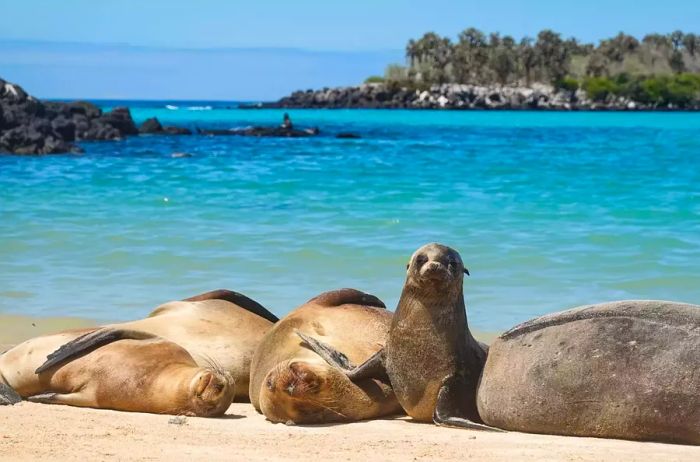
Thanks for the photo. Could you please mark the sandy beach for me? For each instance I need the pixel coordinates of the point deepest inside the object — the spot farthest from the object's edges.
(31, 431)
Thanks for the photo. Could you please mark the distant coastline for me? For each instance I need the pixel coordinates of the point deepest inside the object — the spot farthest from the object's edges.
(452, 96)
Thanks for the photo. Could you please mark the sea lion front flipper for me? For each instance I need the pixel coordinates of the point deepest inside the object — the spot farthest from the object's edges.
(69, 399)
(236, 298)
(373, 368)
(8, 395)
(454, 409)
(88, 342)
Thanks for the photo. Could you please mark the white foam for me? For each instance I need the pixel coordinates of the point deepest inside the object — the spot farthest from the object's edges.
(171, 107)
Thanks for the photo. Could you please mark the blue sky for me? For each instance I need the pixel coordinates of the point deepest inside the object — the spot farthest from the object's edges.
(263, 49)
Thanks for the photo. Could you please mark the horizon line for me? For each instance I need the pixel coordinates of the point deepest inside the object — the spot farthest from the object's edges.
(26, 41)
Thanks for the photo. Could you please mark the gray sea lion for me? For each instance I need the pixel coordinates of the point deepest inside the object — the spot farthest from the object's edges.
(291, 383)
(113, 369)
(628, 369)
(431, 358)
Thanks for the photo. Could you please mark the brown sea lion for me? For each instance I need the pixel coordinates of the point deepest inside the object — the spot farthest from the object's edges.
(431, 358)
(291, 383)
(628, 369)
(220, 327)
(114, 369)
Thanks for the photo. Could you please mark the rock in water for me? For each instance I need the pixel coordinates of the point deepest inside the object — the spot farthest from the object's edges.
(627, 369)
(151, 125)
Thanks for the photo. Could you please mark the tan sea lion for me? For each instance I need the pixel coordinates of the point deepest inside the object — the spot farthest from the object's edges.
(220, 327)
(627, 369)
(114, 369)
(431, 358)
(291, 383)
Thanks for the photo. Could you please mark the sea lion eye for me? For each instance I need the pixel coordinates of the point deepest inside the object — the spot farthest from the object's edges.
(420, 260)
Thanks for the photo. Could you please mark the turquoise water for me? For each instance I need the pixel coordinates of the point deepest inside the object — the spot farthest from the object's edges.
(549, 211)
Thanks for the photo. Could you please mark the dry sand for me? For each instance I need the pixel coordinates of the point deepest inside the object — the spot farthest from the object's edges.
(31, 431)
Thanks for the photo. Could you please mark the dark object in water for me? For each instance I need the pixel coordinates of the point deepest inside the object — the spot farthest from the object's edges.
(348, 136)
(278, 132)
(152, 126)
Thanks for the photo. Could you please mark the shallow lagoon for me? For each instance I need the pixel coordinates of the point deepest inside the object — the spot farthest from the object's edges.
(549, 211)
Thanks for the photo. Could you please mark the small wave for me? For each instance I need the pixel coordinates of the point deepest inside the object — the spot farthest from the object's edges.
(171, 107)
(199, 108)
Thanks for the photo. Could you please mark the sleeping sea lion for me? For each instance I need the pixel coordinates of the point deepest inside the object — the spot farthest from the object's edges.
(627, 369)
(113, 369)
(291, 383)
(220, 328)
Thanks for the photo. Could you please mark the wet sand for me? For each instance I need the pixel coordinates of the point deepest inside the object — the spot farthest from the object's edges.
(17, 328)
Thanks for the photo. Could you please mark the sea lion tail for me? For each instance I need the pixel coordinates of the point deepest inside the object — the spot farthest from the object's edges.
(88, 342)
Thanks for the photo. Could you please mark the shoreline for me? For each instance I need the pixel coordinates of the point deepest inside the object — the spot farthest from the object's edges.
(16, 328)
(536, 96)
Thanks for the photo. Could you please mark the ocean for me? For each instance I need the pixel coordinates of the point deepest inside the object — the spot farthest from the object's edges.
(549, 210)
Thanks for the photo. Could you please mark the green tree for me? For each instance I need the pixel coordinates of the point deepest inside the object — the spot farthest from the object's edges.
(553, 54)
(471, 56)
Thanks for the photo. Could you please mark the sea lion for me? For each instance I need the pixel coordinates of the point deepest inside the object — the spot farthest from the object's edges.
(431, 358)
(627, 369)
(291, 383)
(220, 327)
(114, 369)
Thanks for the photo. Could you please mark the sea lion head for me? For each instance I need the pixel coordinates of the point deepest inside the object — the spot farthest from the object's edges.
(304, 392)
(435, 265)
(211, 392)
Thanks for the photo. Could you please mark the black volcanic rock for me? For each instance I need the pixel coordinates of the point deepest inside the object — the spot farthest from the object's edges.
(274, 132)
(171, 130)
(30, 126)
(151, 125)
(120, 119)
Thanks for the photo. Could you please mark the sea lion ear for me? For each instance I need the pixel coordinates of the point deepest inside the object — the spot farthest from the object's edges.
(466, 271)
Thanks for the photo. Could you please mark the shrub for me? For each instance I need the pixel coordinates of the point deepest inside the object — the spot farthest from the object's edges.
(598, 88)
(567, 83)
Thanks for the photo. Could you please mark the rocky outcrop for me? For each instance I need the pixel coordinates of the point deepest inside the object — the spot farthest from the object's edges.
(152, 126)
(31, 126)
(451, 96)
(274, 132)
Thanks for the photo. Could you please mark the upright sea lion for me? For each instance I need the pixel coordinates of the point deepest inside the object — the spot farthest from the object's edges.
(431, 358)
(221, 327)
(113, 369)
(291, 383)
(628, 369)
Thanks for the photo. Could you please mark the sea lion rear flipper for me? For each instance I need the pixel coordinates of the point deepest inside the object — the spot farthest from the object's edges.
(454, 409)
(88, 342)
(373, 368)
(236, 298)
(8, 395)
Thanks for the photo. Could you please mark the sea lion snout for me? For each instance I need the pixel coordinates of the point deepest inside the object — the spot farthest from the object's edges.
(294, 379)
(212, 392)
(435, 270)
